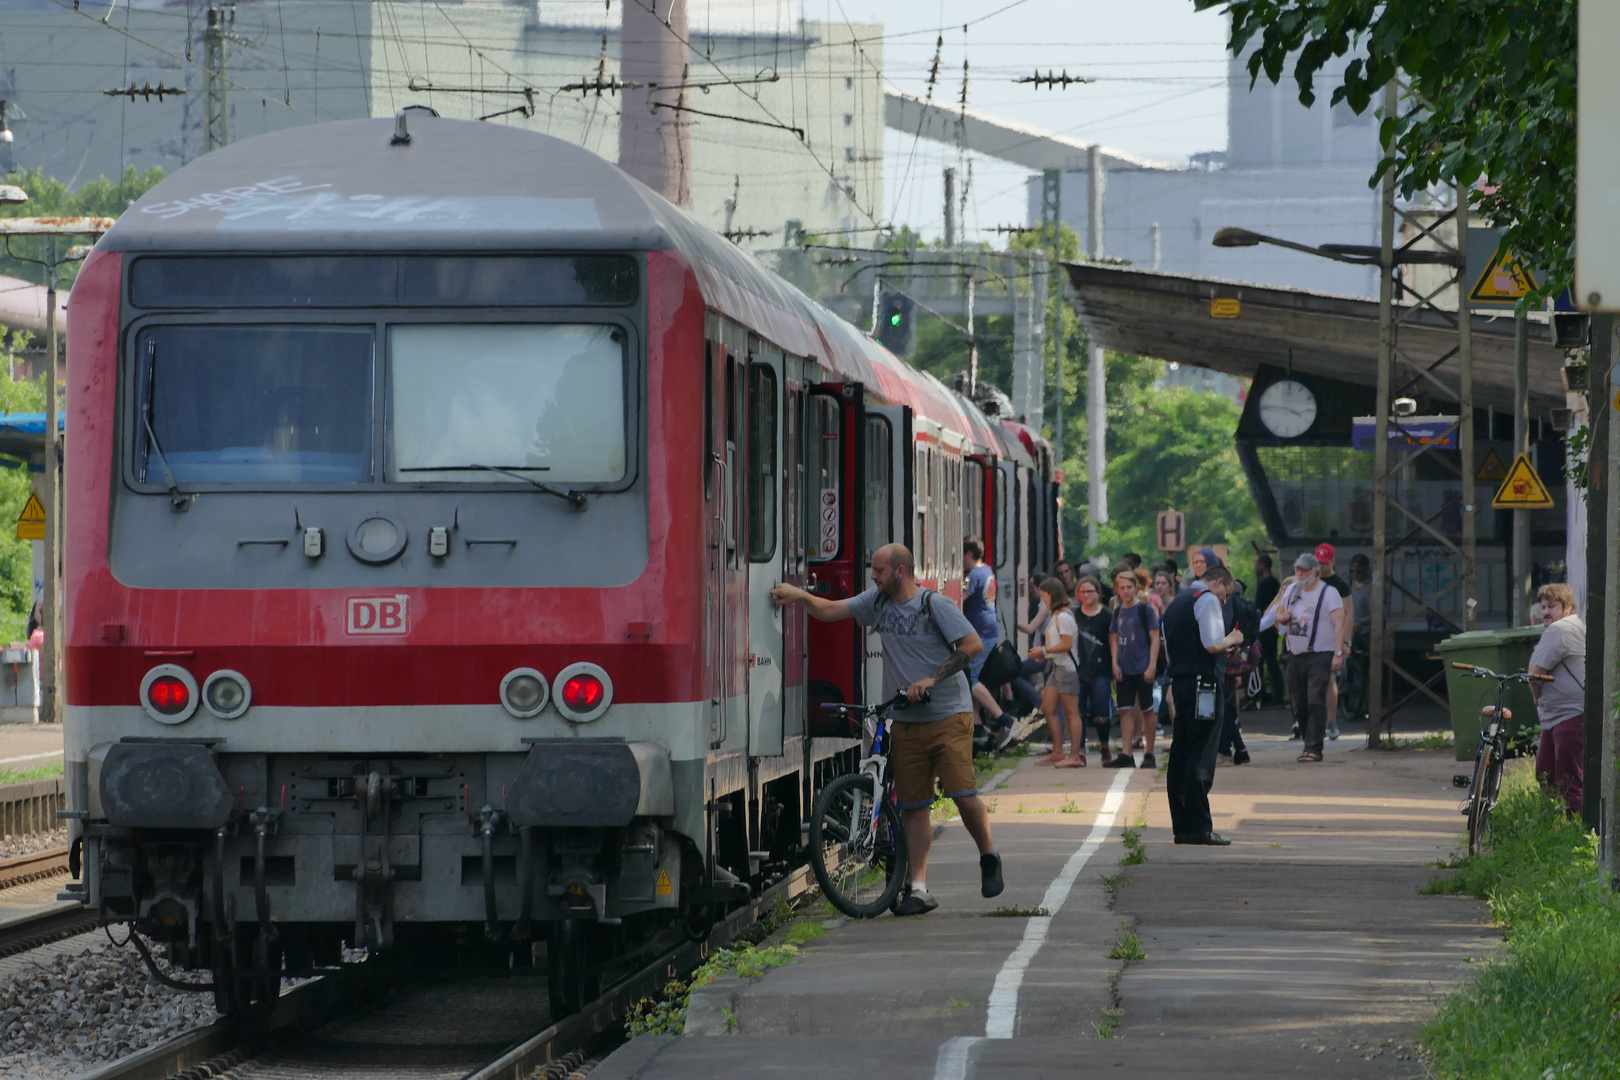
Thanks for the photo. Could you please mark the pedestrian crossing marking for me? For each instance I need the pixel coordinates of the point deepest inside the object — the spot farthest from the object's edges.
(1523, 489)
(1492, 468)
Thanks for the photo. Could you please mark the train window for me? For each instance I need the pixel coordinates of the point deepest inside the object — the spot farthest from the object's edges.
(920, 495)
(348, 280)
(254, 404)
(823, 492)
(762, 478)
(1003, 545)
(879, 482)
(545, 402)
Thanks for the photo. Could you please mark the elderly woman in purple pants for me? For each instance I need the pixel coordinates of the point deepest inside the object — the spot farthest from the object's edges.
(1560, 704)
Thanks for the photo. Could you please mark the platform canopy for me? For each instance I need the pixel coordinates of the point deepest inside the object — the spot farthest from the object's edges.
(22, 435)
(1174, 317)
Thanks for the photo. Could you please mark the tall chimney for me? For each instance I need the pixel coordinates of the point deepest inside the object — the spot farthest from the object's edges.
(655, 145)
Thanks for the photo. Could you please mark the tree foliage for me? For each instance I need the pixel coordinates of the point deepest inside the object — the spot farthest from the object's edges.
(48, 197)
(1168, 448)
(16, 556)
(1491, 100)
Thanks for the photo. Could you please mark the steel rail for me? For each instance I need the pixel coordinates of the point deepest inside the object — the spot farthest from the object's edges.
(608, 1011)
(334, 996)
(33, 867)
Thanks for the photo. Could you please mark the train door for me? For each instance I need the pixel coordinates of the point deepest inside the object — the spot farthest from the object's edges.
(1003, 528)
(833, 430)
(725, 503)
(762, 491)
(886, 495)
(795, 554)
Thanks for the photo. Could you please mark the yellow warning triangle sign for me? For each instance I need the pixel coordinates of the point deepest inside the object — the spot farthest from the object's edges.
(1523, 489)
(1504, 279)
(1492, 468)
(31, 522)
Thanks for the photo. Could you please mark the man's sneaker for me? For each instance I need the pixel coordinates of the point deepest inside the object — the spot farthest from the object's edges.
(1004, 734)
(1333, 730)
(915, 902)
(1148, 762)
(990, 883)
(1120, 761)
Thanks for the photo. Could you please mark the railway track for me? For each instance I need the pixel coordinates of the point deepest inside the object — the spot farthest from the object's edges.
(473, 1028)
(49, 924)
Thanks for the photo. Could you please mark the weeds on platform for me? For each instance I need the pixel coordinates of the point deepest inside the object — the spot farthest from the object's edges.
(1135, 850)
(1129, 946)
(1547, 1005)
(1017, 913)
(666, 1015)
(1435, 740)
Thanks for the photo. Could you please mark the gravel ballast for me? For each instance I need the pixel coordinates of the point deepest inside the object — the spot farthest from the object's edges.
(69, 1014)
(29, 843)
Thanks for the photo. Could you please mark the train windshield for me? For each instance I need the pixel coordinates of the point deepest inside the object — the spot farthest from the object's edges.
(245, 404)
(482, 403)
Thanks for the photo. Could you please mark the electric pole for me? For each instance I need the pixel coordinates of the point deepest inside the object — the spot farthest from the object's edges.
(1096, 372)
(216, 106)
(950, 208)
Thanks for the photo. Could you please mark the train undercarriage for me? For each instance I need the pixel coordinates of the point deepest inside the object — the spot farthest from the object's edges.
(569, 859)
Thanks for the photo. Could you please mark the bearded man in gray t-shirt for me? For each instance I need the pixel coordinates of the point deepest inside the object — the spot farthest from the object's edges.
(927, 645)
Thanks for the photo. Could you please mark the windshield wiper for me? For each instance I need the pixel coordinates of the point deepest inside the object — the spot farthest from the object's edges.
(179, 501)
(572, 498)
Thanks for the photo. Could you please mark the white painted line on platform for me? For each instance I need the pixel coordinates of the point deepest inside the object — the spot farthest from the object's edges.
(30, 757)
(952, 1063)
(1003, 1011)
(997, 780)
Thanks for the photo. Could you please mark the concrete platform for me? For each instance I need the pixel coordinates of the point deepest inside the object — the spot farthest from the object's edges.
(25, 746)
(1302, 949)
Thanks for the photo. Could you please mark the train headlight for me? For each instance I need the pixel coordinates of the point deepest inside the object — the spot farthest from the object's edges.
(524, 692)
(227, 694)
(169, 694)
(584, 692)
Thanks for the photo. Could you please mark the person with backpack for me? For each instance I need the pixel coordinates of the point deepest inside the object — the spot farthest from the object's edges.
(927, 647)
(1058, 635)
(1133, 648)
(1311, 614)
(979, 605)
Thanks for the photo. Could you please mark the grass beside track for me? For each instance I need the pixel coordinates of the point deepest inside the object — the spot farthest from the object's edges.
(38, 772)
(1547, 1005)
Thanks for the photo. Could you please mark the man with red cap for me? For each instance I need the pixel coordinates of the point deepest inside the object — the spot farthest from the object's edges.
(1325, 555)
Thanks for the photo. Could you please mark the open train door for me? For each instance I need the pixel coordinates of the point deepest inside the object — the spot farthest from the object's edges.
(765, 489)
(886, 474)
(834, 426)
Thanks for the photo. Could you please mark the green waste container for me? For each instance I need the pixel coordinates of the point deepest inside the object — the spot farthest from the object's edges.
(1504, 651)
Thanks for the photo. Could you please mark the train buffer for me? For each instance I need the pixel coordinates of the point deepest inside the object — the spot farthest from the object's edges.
(1305, 948)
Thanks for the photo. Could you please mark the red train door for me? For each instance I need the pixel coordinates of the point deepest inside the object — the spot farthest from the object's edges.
(834, 430)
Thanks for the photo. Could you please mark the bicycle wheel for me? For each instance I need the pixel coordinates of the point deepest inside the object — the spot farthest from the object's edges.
(860, 868)
(1482, 795)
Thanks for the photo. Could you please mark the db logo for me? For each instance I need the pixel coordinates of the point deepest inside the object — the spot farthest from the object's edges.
(378, 615)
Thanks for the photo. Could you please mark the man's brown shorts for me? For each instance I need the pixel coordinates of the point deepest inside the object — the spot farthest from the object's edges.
(922, 751)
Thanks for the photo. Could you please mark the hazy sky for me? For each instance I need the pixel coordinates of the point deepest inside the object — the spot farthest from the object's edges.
(1160, 91)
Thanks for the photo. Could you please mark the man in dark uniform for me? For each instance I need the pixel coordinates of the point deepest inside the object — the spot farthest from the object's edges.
(1195, 635)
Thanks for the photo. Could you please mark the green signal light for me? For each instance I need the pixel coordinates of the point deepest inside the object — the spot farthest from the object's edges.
(894, 320)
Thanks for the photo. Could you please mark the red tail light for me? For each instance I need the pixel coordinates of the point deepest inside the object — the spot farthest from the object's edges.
(169, 695)
(583, 693)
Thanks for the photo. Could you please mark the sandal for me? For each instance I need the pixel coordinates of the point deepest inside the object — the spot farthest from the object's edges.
(1073, 763)
(1050, 759)
(1309, 756)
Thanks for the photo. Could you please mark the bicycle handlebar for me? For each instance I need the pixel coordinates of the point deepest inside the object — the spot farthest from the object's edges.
(1486, 673)
(899, 701)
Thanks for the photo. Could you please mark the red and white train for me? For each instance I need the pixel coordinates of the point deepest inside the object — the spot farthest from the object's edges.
(426, 483)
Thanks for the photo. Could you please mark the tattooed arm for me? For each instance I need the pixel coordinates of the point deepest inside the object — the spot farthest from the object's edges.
(966, 649)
